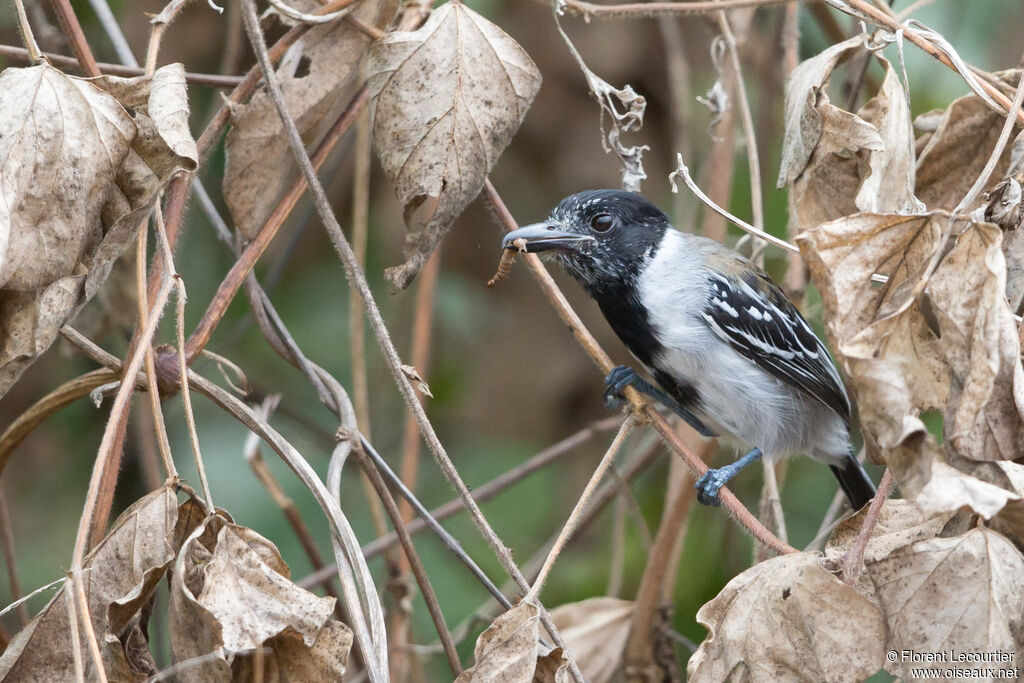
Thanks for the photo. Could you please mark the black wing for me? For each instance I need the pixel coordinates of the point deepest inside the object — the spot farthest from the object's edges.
(749, 312)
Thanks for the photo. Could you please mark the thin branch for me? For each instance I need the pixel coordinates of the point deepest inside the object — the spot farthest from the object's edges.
(423, 319)
(853, 559)
(412, 557)
(574, 517)
(73, 31)
(684, 172)
(753, 159)
(21, 54)
(870, 13)
(7, 545)
(636, 10)
(232, 282)
(639, 650)
(486, 491)
(356, 276)
(26, 33)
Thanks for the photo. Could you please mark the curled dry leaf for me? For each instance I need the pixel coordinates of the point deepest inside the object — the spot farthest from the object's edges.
(508, 650)
(900, 523)
(231, 593)
(960, 595)
(838, 162)
(447, 99)
(78, 176)
(314, 77)
(788, 619)
(952, 348)
(121, 574)
(595, 632)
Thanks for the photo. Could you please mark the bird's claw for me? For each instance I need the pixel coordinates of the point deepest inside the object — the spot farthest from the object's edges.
(620, 377)
(709, 484)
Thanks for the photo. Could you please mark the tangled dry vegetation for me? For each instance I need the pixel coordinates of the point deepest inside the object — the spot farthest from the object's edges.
(910, 230)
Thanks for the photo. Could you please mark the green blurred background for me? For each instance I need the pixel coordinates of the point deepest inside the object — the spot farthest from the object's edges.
(506, 375)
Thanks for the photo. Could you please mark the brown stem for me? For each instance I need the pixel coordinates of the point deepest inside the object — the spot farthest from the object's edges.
(853, 559)
(283, 500)
(639, 660)
(7, 545)
(233, 281)
(421, 327)
(880, 18)
(412, 557)
(21, 54)
(591, 10)
(73, 31)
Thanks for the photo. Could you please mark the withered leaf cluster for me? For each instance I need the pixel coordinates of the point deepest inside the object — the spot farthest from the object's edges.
(82, 162)
(233, 607)
(919, 306)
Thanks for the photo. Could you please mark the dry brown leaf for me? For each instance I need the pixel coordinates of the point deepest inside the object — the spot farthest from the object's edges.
(231, 593)
(313, 78)
(953, 348)
(447, 99)
(788, 619)
(508, 650)
(121, 574)
(959, 148)
(804, 93)
(553, 668)
(837, 162)
(595, 632)
(960, 595)
(888, 179)
(287, 658)
(900, 523)
(78, 176)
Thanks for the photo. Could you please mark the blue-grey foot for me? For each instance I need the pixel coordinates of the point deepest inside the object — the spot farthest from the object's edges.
(711, 481)
(623, 376)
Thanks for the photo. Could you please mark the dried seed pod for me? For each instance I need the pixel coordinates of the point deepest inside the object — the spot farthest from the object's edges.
(508, 257)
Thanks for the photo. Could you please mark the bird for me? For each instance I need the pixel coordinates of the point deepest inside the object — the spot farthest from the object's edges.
(727, 350)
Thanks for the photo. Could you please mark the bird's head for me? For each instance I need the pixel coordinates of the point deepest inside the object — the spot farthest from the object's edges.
(601, 237)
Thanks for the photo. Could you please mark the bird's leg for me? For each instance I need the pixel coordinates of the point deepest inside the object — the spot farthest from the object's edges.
(712, 480)
(622, 376)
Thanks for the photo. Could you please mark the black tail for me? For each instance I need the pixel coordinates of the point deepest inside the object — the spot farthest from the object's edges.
(854, 482)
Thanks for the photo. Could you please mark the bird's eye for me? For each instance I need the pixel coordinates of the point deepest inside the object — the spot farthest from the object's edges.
(602, 222)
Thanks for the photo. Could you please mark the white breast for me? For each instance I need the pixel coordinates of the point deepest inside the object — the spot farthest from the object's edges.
(737, 397)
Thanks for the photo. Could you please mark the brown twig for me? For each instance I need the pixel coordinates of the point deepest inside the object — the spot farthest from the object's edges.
(7, 545)
(852, 560)
(232, 282)
(574, 517)
(412, 557)
(638, 658)
(590, 10)
(879, 18)
(486, 491)
(423, 319)
(21, 54)
(76, 37)
(604, 362)
(251, 450)
(357, 277)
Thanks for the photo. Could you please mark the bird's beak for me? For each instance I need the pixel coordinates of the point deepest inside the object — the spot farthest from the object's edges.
(546, 237)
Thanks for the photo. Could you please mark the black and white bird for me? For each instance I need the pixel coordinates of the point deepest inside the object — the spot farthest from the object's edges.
(729, 352)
